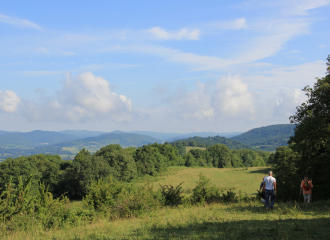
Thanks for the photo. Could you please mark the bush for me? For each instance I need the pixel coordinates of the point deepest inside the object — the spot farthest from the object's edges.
(23, 205)
(121, 199)
(172, 196)
(204, 191)
(229, 197)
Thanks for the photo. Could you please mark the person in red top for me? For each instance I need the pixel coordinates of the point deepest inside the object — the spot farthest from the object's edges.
(306, 188)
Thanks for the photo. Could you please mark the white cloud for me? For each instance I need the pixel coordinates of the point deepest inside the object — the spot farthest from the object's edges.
(287, 101)
(9, 101)
(272, 38)
(81, 98)
(177, 35)
(19, 22)
(230, 25)
(194, 104)
(232, 97)
(228, 97)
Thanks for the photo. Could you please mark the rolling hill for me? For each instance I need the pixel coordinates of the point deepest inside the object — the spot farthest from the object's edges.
(92, 144)
(33, 139)
(123, 139)
(83, 133)
(267, 138)
(4, 132)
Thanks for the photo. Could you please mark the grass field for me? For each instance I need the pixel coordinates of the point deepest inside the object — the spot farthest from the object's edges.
(243, 220)
(215, 221)
(245, 179)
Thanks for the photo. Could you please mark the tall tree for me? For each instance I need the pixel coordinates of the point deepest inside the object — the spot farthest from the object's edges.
(312, 135)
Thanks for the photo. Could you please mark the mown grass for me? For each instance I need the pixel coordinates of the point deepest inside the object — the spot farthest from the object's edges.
(214, 221)
(245, 179)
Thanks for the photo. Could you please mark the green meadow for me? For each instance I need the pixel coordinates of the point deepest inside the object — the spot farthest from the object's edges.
(214, 221)
(242, 220)
(246, 180)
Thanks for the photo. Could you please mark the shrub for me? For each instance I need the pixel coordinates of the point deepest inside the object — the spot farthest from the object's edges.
(172, 196)
(229, 197)
(121, 199)
(22, 204)
(204, 191)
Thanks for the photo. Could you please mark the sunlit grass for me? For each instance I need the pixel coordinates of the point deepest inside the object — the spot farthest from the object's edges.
(215, 221)
(245, 179)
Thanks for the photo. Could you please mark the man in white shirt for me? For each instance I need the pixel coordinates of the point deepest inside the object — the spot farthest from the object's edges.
(270, 189)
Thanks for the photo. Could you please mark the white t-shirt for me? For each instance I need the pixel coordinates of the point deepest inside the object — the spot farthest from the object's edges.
(269, 182)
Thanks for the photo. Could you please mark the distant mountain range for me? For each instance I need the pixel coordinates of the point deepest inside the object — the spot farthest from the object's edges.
(4, 132)
(69, 142)
(83, 133)
(74, 145)
(33, 139)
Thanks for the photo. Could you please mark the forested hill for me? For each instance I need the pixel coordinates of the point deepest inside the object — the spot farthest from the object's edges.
(4, 132)
(33, 139)
(267, 138)
(209, 141)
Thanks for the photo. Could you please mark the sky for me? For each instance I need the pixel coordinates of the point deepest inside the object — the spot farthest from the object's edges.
(163, 66)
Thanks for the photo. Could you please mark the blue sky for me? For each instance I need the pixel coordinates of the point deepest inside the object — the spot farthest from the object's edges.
(169, 66)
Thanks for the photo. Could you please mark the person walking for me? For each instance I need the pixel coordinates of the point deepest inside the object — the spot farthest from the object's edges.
(270, 190)
(306, 188)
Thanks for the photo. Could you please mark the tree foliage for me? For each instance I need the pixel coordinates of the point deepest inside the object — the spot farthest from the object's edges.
(310, 145)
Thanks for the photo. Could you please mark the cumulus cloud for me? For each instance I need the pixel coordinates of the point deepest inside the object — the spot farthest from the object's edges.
(82, 97)
(194, 104)
(228, 97)
(184, 33)
(287, 101)
(232, 97)
(18, 22)
(9, 101)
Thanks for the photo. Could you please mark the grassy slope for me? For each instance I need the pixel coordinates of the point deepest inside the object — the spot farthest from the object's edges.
(238, 178)
(215, 221)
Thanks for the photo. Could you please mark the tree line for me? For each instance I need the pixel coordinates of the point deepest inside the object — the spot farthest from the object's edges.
(73, 178)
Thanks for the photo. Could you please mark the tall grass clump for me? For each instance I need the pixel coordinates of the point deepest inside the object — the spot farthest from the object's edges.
(119, 199)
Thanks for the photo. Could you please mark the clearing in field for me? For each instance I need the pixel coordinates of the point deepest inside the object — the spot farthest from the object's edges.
(245, 179)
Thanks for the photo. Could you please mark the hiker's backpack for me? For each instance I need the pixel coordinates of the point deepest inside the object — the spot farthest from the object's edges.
(307, 185)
